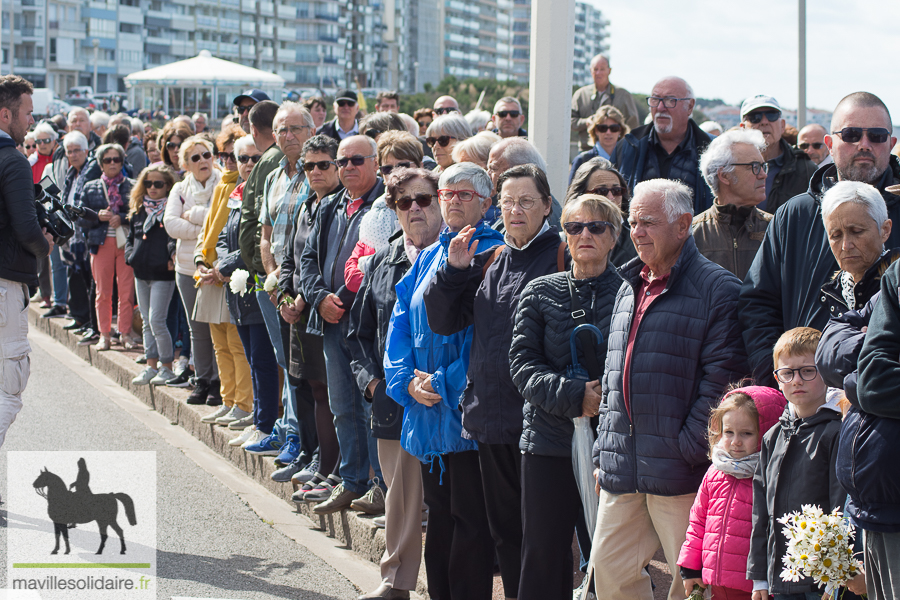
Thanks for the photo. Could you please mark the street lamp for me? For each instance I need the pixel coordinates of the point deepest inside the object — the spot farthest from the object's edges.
(96, 44)
(416, 77)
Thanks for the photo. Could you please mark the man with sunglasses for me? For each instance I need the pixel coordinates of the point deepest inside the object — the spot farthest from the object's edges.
(586, 101)
(670, 146)
(782, 288)
(508, 118)
(446, 105)
(789, 167)
(243, 104)
(344, 123)
(811, 140)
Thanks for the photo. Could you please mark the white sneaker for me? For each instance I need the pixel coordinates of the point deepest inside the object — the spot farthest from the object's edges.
(256, 436)
(235, 414)
(239, 440)
(211, 417)
(145, 377)
(164, 376)
(379, 522)
(181, 364)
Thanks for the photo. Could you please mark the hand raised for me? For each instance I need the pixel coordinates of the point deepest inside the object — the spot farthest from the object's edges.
(460, 253)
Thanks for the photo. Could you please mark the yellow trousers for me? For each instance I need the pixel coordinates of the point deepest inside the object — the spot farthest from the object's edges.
(234, 370)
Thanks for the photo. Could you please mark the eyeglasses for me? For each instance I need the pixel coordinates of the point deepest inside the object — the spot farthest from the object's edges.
(356, 160)
(323, 165)
(756, 118)
(112, 160)
(617, 190)
(387, 169)
(345, 103)
(155, 184)
(172, 146)
(787, 375)
(615, 128)
(242, 109)
(423, 200)
(294, 129)
(446, 195)
(755, 166)
(851, 135)
(243, 158)
(205, 156)
(508, 113)
(668, 102)
(445, 111)
(223, 156)
(526, 203)
(30, 146)
(44, 140)
(805, 145)
(443, 140)
(593, 227)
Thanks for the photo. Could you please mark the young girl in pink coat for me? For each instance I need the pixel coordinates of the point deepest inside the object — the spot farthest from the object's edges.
(717, 543)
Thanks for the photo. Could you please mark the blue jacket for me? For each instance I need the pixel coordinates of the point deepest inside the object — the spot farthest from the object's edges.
(431, 431)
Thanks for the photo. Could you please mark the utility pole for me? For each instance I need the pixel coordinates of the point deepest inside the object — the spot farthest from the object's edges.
(96, 43)
(801, 38)
(1, 40)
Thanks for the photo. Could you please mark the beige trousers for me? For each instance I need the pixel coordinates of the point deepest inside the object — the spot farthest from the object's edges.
(403, 515)
(630, 529)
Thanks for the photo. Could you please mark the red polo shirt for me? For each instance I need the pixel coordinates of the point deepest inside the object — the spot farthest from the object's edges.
(648, 291)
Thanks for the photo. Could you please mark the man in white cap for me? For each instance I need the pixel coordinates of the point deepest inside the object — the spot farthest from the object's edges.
(789, 168)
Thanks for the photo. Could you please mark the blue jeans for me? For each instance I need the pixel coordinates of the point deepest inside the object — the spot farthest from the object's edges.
(263, 372)
(351, 412)
(60, 278)
(287, 424)
(806, 596)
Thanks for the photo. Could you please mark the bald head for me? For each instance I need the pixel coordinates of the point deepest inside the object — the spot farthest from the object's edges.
(445, 105)
(859, 100)
(811, 140)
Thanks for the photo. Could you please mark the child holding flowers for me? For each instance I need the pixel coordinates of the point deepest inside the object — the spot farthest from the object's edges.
(715, 550)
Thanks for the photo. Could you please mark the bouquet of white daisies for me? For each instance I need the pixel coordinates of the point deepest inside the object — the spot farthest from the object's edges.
(819, 546)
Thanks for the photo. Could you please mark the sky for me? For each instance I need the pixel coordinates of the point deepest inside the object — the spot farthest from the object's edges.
(732, 49)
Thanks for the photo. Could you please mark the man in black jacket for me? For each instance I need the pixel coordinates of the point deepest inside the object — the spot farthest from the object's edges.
(344, 124)
(23, 244)
(781, 290)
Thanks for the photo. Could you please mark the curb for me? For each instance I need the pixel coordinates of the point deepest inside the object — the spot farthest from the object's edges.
(355, 531)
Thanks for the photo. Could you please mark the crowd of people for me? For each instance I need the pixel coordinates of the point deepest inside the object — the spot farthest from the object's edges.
(720, 311)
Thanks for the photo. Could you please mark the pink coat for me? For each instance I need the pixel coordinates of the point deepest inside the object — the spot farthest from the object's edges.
(718, 537)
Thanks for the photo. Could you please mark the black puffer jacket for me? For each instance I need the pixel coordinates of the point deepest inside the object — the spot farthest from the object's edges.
(793, 178)
(244, 309)
(148, 248)
(782, 288)
(862, 290)
(370, 317)
(455, 299)
(540, 353)
(688, 349)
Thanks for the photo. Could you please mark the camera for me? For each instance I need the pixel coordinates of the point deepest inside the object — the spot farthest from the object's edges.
(52, 214)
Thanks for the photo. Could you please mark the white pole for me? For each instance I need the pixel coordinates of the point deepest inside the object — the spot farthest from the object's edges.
(550, 88)
(96, 44)
(1, 40)
(801, 38)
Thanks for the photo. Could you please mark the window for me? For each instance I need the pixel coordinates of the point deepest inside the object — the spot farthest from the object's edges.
(53, 49)
(102, 28)
(129, 28)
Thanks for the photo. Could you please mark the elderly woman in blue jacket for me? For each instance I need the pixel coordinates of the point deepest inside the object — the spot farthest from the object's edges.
(426, 374)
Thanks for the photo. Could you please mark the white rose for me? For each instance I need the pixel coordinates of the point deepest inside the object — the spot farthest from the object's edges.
(238, 283)
(271, 283)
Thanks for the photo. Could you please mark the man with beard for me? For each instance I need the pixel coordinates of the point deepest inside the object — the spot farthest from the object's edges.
(781, 290)
(670, 146)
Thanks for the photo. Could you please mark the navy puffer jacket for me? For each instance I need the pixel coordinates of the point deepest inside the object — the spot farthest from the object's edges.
(687, 351)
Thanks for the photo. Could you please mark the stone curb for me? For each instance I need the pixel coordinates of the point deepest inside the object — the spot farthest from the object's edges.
(354, 530)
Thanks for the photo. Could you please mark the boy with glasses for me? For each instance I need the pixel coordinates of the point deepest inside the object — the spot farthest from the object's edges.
(796, 464)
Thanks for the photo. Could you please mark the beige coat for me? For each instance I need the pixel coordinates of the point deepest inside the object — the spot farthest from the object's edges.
(730, 246)
(586, 101)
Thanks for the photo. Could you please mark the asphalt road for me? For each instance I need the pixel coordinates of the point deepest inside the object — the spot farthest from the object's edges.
(210, 543)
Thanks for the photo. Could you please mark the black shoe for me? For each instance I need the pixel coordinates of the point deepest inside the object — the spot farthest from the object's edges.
(74, 326)
(215, 393)
(200, 393)
(56, 311)
(183, 380)
(90, 336)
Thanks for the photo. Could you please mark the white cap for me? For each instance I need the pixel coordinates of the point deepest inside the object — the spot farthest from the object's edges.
(754, 102)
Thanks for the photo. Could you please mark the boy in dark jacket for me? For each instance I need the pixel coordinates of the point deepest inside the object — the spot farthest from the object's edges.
(796, 464)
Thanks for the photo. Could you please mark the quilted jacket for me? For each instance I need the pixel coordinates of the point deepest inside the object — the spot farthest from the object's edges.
(718, 537)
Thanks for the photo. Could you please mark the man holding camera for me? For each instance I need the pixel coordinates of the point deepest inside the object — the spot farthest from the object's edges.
(23, 244)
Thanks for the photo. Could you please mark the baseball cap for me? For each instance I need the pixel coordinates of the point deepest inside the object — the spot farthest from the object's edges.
(754, 102)
(254, 94)
(347, 94)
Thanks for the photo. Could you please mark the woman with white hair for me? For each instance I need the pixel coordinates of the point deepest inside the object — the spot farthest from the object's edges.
(443, 134)
(857, 224)
(45, 136)
(29, 145)
(476, 149)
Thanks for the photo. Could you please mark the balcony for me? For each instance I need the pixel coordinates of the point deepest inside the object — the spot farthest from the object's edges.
(327, 16)
(29, 3)
(32, 32)
(248, 28)
(29, 63)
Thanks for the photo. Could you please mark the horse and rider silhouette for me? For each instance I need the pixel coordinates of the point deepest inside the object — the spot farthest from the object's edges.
(81, 506)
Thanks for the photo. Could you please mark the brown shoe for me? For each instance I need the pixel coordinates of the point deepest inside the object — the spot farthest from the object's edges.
(339, 500)
(385, 591)
(372, 503)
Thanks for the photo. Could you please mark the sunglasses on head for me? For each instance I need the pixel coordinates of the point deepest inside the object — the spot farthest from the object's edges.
(445, 111)
(806, 145)
(242, 109)
(508, 113)
(593, 227)
(243, 158)
(156, 184)
(345, 103)
(323, 165)
(615, 128)
(756, 118)
(356, 160)
(205, 155)
(442, 140)
(112, 160)
(388, 169)
(44, 140)
(617, 190)
(423, 200)
(172, 146)
(851, 135)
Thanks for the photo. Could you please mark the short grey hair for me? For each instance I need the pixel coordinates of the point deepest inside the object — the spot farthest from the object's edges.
(468, 173)
(75, 138)
(478, 119)
(242, 143)
(137, 126)
(197, 115)
(288, 107)
(507, 100)
(720, 154)
(411, 125)
(76, 110)
(856, 192)
(100, 119)
(677, 197)
(709, 126)
(103, 149)
(46, 129)
(453, 125)
(519, 151)
(478, 146)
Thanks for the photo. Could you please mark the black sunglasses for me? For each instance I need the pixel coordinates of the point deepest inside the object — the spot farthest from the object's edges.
(243, 158)
(30, 146)
(44, 140)
(423, 200)
(205, 155)
(851, 135)
(110, 160)
(508, 113)
(387, 169)
(373, 133)
(805, 145)
(756, 117)
(155, 184)
(617, 190)
(242, 109)
(615, 127)
(445, 111)
(443, 140)
(172, 146)
(223, 156)
(346, 103)
(594, 227)
(323, 165)
(356, 160)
